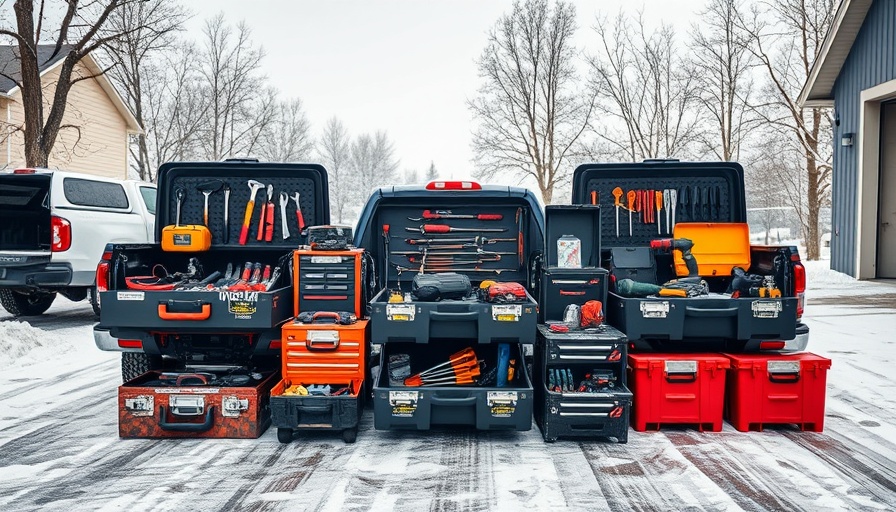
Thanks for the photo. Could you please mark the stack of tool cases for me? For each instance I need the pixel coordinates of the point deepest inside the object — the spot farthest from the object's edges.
(221, 306)
(648, 203)
(324, 348)
(456, 361)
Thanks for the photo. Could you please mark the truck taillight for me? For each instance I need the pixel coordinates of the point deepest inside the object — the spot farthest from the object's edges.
(453, 185)
(799, 287)
(61, 234)
(102, 269)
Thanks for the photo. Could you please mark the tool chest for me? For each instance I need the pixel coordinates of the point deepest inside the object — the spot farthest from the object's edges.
(703, 202)
(323, 367)
(328, 281)
(239, 284)
(475, 242)
(580, 384)
(766, 389)
(483, 403)
(196, 404)
(677, 389)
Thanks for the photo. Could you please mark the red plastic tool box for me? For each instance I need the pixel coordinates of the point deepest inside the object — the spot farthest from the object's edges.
(677, 388)
(777, 388)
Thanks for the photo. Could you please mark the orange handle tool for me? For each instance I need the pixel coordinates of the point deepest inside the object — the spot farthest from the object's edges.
(659, 207)
(264, 209)
(244, 232)
(631, 196)
(594, 197)
(617, 196)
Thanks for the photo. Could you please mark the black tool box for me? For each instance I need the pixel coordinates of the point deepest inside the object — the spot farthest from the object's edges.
(580, 384)
(488, 233)
(196, 404)
(126, 305)
(329, 281)
(709, 192)
(483, 405)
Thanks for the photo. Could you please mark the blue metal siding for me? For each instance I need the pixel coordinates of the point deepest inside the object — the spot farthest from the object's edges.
(871, 61)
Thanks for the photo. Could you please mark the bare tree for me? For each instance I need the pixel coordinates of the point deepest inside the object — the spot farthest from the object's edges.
(768, 197)
(73, 28)
(643, 84)
(334, 152)
(238, 112)
(148, 31)
(372, 164)
(288, 137)
(431, 172)
(411, 176)
(530, 109)
(723, 67)
(785, 37)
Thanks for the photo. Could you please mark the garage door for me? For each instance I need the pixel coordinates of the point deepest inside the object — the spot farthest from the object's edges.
(886, 238)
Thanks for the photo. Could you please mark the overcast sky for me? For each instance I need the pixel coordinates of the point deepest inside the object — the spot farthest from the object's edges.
(403, 66)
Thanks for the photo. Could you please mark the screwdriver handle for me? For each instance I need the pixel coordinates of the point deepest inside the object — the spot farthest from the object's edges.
(617, 195)
(631, 196)
(489, 216)
(436, 228)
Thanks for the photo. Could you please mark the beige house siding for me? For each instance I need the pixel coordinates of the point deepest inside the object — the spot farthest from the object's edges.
(99, 144)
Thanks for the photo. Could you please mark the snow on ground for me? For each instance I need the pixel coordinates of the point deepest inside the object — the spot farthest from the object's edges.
(60, 450)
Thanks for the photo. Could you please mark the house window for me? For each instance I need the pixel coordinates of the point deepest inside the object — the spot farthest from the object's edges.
(149, 198)
(94, 193)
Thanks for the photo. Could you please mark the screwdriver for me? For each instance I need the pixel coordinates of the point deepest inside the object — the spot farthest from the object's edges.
(659, 206)
(617, 195)
(631, 207)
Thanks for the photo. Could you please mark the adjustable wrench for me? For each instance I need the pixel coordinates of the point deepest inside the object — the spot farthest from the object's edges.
(284, 227)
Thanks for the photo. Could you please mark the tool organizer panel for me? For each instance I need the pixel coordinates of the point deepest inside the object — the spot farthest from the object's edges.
(580, 383)
(308, 180)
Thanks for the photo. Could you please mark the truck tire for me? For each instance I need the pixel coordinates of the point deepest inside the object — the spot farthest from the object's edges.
(26, 304)
(135, 364)
(94, 298)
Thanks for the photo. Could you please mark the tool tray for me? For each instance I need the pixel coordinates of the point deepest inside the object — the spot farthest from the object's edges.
(397, 406)
(653, 322)
(421, 322)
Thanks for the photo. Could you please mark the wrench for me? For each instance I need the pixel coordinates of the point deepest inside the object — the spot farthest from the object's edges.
(180, 194)
(226, 213)
(299, 216)
(284, 200)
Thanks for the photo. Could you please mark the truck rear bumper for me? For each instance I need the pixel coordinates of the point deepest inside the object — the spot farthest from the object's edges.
(36, 277)
(105, 341)
(800, 342)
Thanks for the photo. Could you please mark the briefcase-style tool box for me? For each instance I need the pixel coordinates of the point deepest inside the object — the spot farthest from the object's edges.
(767, 389)
(322, 386)
(580, 384)
(677, 389)
(703, 200)
(196, 404)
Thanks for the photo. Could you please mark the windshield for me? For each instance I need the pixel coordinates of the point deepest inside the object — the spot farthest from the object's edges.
(149, 198)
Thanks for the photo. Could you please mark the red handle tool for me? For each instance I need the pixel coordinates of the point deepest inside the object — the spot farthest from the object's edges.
(430, 214)
(269, 222)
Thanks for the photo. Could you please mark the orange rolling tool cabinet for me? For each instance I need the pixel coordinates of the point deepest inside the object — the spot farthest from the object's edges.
(328, 281)
(323, 366)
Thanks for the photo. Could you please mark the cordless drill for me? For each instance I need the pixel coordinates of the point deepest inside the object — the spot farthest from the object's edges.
(678, 244)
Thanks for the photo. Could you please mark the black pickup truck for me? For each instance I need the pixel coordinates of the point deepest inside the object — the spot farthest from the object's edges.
(158, 326)
(658, 200)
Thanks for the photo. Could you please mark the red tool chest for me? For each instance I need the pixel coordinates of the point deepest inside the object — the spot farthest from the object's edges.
(189, 405)
(677, 388)
(777, 388)
(321, 354)
(328, 281)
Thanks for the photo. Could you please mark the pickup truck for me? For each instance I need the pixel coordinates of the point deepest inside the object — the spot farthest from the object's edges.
(54, 226)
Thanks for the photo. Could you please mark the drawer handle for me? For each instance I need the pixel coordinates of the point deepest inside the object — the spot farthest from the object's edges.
(204, 314)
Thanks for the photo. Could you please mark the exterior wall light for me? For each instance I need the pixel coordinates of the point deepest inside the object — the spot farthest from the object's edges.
(847, 139)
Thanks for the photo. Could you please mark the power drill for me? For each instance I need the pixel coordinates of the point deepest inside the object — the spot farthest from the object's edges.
(678, 244)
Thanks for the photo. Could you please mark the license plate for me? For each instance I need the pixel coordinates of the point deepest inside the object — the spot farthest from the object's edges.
(654, 309)
(507, 312)
(766, 308)
(326, 259)
(400, 312)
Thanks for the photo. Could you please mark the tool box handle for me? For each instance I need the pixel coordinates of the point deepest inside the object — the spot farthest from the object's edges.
(325, 315)
(454, 402)
(454, 317)
(314, 408)
(680, 378)
(187, 427)
(711, 312)
(203, 314)
(784, 378)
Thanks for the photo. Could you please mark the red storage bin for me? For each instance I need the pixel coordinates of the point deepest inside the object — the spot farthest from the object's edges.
(677, 388)
(777, 388)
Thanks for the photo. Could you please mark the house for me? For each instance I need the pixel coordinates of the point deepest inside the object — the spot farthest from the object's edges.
(855, 73)
(99, 144)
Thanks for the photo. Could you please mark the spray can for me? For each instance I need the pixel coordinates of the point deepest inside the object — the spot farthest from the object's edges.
(569, 252)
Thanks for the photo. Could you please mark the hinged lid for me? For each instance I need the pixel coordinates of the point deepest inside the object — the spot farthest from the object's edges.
(306, 179)
(718, 247)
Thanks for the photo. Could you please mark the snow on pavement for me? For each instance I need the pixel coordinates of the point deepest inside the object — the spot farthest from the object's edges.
(60, 450)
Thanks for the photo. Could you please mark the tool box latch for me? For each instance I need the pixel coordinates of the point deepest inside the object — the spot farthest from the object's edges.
(187, 405)
(142, 405)
(766, 308)
(654, 309)
(232, 406)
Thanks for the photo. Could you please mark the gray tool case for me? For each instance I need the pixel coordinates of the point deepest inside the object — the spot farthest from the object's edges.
(425, 334)
(707, 192)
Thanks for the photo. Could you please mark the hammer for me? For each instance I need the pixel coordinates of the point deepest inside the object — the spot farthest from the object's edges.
(255, 186)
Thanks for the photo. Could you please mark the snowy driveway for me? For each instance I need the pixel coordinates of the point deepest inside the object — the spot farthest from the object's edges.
(60, 450)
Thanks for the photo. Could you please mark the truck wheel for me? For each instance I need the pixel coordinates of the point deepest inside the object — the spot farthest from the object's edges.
(26, 304)
(284, 435)
(349, 435)
(135, 364)
(94, 297)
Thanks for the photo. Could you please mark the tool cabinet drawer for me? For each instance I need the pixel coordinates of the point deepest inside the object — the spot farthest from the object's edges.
(599, 345)
(559, 288)
(578, 415)
(468, 319)
(324, 352)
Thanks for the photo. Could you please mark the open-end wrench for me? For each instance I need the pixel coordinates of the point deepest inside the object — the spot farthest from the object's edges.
(673, 201)
(255, 186)
(301, 219)
(284, 226)
(179, 194)
(226, 213)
